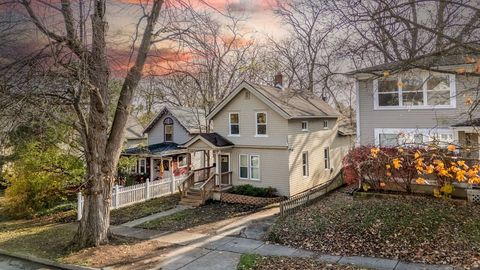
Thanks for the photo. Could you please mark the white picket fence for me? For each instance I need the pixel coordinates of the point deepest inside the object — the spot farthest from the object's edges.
(125, 196)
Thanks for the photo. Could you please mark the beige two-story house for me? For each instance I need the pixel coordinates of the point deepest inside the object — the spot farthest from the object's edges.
(270, 136)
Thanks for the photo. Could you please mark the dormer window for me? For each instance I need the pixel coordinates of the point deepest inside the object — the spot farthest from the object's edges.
(419, 90)
(168, 129)
(261, 118)
(234, 124)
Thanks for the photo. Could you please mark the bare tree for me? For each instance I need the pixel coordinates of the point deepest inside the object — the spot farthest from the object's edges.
(70, 70)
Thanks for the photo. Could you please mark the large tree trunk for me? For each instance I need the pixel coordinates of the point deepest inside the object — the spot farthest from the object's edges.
(103, 145)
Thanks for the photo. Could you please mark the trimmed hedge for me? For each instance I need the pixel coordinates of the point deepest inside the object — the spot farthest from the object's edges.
(249, 190)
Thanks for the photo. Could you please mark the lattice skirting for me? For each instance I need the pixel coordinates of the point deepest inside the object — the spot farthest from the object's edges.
(473, 195)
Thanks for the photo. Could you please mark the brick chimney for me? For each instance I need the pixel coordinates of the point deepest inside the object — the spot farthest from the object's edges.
(278, 81)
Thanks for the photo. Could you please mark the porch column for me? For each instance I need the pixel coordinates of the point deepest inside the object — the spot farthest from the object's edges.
(152, 170)
(217, 167)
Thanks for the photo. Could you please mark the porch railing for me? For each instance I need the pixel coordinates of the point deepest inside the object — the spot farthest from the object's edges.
(203, 174)
(207, 187)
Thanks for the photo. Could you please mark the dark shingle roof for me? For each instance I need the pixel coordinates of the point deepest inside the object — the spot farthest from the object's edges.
(296, 104)
(216, 139)
(153, 149)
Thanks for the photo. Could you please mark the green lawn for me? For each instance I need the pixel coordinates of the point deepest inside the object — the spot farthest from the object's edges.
(417, 229)
(136, 211)
(257, 262)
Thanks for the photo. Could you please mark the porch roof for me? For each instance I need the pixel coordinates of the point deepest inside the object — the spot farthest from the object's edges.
(474, 122)
(212, 140)
(159, 149)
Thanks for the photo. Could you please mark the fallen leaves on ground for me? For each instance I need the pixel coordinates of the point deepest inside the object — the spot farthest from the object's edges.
(418, 229)
(287, 263)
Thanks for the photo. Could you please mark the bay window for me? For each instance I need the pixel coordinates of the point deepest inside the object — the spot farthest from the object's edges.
(419, 90)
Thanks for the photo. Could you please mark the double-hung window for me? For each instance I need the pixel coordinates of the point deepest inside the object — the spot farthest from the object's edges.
(418, 90)
(261, 121)
(305, 164)
(234, 123)
(243, 171)
(249, 167)
(325, 124)
(326, 157)
(168, 129)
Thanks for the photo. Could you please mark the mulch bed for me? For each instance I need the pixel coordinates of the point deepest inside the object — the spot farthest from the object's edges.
(418, 229)
(286, 263)
(209, 214)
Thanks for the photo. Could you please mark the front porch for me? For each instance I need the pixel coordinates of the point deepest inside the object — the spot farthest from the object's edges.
(201, 183)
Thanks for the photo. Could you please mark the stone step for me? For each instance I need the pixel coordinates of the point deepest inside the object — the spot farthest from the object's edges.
(194, 193)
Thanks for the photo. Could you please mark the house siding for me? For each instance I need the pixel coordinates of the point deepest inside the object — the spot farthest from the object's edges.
(156, 134)
(314, 143)
(273, 168)
(409, 118)
(247, 108)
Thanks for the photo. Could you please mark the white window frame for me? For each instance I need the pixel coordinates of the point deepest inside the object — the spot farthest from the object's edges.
(306, 125)
(326, 158)
(424, 132)
(178, 161)
(259, 168)
(305, 164)
(140, 165)
(256, 125)
(424, 75)
(230, 124)
(325, 124)
(240, 166)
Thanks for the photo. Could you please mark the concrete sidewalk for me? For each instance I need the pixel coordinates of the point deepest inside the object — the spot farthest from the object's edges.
(222, 250)
(139, 221)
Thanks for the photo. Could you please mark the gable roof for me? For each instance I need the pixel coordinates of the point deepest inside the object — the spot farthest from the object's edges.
(192, 119)
(133, 128)
(213, 139)
(288, 103)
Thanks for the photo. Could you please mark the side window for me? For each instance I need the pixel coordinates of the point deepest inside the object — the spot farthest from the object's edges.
(325, 124)
(182, 161)
(234, 123)
(142, 165)
(326, 157)
(305, 163)
(261, 119)
(304, 125)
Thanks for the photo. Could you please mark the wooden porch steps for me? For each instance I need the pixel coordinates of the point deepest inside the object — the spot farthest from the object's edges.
(193, 197)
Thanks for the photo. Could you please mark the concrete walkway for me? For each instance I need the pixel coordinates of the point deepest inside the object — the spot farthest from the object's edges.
(139, 221)
(222, 250)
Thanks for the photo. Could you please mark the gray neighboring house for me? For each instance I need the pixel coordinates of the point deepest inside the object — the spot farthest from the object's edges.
(270, 136)
(398, 106)
(134, 133)
(160, 155)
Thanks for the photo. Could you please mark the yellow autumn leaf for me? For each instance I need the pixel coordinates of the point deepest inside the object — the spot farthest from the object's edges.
(451, 147)
(420, 181)
(386, 74)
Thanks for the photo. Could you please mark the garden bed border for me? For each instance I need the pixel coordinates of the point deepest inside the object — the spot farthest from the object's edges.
(250, 200)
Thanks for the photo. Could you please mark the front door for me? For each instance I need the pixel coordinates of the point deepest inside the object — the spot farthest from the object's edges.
(166, 168)
(224, 169)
